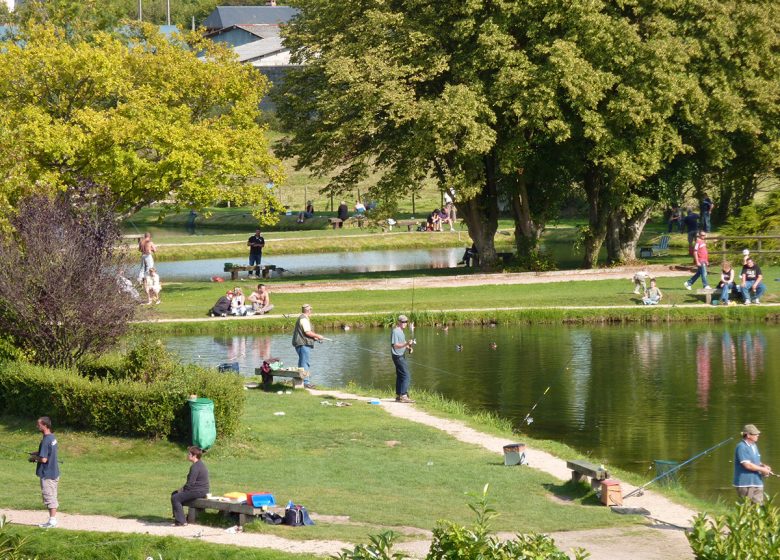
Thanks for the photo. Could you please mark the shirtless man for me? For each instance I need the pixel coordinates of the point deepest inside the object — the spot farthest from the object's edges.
(261, 300)
(148, 249)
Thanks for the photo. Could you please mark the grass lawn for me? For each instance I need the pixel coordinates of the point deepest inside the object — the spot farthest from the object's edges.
(84, 545)
(357, 461)
(193, 299)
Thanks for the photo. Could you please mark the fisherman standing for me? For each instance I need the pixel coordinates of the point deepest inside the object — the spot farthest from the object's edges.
(398, 348)
(47, 468)
(749, 471)
(303, 341)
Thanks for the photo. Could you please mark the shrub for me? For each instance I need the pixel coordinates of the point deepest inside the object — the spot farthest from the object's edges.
(748, 531)
(60, 299)
(452, 541)
(11, 546)
(123, 407)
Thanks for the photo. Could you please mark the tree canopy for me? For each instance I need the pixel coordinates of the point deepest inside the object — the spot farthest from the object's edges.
(140, 115)
(527, 101)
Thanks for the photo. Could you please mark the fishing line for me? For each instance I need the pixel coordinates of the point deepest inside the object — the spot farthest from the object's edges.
(639, 491)
(20, 452)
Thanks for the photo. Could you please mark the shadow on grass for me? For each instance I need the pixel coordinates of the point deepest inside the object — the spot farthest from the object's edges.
(574, 492)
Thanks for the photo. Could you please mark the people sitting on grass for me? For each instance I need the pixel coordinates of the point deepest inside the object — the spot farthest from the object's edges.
(260, 300)
(222, 307)
(726, 283)
(360, 208)
(652, 294)
(446, 218)
(152, 286)
(752, 287)
(307, 213)
(434, 221)
(238, 303)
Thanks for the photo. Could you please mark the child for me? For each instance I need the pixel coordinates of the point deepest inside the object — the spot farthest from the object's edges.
(652, 295)
(152, 286)
(640, 282)
(237, 304)
(726, 283)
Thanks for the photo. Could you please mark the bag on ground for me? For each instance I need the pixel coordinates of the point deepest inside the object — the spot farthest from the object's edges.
(297, 516)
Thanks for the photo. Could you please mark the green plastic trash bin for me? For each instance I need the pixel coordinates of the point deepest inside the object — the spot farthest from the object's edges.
(204, 428)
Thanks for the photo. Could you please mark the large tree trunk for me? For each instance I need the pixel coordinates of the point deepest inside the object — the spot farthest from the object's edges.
(623, 234)
(481, 216)
(527, 232)
(598, 212)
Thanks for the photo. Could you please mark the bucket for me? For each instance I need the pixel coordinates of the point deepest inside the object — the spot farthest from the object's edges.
(662, 467)
(514, 454)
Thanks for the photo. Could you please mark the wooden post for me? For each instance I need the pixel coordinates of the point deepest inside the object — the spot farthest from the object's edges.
(413, 212)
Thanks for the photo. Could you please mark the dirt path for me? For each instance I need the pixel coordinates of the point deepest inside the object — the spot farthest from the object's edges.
(660, 539)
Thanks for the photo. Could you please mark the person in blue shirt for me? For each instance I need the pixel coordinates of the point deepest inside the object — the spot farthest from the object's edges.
(47, 468)
(749, 471)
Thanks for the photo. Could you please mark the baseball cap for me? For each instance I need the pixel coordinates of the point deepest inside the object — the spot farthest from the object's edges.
(305, 307)
(750, 429)
(403, 319)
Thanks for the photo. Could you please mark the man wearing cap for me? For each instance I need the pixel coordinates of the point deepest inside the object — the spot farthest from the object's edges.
(749, 471)
(303, 341)
(398, 348)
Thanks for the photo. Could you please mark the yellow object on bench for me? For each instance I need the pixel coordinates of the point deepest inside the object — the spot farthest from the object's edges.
(236, 495)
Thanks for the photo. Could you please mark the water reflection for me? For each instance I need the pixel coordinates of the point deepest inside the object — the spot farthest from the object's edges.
(319, 263)
(626, 395)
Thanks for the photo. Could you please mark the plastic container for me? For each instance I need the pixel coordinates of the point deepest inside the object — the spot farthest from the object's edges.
(260, 499)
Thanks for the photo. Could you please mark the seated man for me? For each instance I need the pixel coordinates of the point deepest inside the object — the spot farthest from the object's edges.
(197, 485)
(261, 300)
(222, 307)
(469, 255)
(752, 285)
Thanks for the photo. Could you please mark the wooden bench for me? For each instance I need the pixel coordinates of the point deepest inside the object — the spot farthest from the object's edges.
(656, 250)
(335, 222)
(264, 270)
(297, 375)
(506, 258)
(580, 470)
(244, 511)
(358, 219)
(708, 294)
(408, 223)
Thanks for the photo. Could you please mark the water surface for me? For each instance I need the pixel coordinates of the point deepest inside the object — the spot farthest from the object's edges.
(625, 395)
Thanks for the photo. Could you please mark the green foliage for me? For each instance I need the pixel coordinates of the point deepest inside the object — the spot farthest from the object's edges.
(12, 546)
(120, 407)
(141, 115)
(747, 531)
(148, 361)
(452, 541)
(380, 548)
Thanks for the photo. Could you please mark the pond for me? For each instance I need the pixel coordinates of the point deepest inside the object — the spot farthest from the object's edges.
(319, 263)
(627, 396)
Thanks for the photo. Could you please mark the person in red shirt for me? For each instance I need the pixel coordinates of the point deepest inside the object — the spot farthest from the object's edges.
(701, 258)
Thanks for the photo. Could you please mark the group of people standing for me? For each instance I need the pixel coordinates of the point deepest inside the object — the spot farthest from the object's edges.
(690, 221)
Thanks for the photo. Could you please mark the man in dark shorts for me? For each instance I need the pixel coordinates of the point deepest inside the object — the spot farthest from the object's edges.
(256, 244)
(749, 471)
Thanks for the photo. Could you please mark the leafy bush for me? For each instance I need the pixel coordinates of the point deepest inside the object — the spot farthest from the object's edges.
(11, 546)
(122, 407)
(453, 542)
(748, 531)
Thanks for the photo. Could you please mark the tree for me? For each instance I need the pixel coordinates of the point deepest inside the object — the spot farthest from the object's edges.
(60, 296)
(143, 117)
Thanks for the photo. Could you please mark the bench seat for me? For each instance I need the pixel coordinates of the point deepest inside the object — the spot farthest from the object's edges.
(244, 511)
(297, 375)
(708, 294)
(264, 269)
(580, 470)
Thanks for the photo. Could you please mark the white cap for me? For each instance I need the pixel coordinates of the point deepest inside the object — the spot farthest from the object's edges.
(746, 252)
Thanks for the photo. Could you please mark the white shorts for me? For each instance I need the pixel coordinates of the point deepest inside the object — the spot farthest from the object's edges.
(49, 492)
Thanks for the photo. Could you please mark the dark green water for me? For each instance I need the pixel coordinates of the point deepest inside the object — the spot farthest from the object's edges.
(625, 395)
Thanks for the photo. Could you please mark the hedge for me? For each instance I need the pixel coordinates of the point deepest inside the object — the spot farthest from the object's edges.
(125, 408)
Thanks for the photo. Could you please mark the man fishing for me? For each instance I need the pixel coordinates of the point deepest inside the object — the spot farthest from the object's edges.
(303, 340)
(398, 348)
(47, 468)
(749, 471)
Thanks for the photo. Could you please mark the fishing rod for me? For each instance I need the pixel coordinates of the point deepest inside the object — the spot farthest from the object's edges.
(20, 452)
(528, 419)
(639, 491)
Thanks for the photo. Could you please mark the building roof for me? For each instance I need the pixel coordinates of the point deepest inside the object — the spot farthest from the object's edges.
(228, 16)
(260, 30)
(256, 50)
